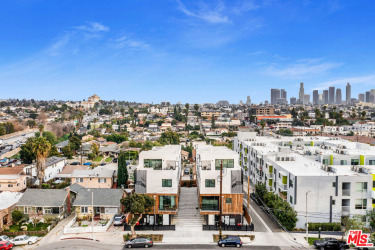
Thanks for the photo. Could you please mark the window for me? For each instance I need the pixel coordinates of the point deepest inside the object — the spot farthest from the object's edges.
(153, 163)
(333, 202)
(48, 210)
(291, 199)
(334, 184)
(354, 162)
(210, 182)
(371, 162)
(360, 204)
(227, 163)
(228, 200)
(79, 180)
(102, 180)
(26, 210)
(343, 162)
(166, 182)
(167, 203)
(10, 185)
(210, 203)
(361, 186)
(84, 210)
(325, 161)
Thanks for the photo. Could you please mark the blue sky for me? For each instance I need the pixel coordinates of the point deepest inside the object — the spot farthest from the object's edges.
(179, 50)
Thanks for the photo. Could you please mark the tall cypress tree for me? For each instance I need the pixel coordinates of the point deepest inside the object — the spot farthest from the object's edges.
(122, 172)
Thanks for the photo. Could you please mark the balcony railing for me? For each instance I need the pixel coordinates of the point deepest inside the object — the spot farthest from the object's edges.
(283, 187)
(346, 192)
(270, 189)
(167, 208)
(269, 175)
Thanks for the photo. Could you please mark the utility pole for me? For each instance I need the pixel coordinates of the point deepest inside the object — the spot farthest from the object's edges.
(220, 201)
(307, 223)
(81, 153)
(92, 219)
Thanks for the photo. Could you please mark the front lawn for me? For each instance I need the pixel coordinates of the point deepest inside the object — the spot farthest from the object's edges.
(99, 158)
(311, 240)
(109, 159)
(30, 227)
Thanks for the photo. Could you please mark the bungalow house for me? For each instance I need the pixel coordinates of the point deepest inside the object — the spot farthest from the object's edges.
(12, 179)
(8, 201)
(103, 203)
(54, 166)
(68, 170)
(61, 145)
(109, 150)
(87, 138)
(94, 178)
(45, 202)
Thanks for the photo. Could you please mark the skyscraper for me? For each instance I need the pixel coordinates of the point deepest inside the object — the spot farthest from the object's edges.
(293, 100)
(301, 93)
(331, 97)
(338, 96)
(325, 96)
(367, 96)
(248, 101)
(361, 97)
(275, 94)
(306, 99)
(283, 93)
(372, 95)
(315, 96)
(348, 93)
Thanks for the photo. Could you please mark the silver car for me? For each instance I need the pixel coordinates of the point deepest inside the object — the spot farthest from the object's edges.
(119, 220)
(25, 239)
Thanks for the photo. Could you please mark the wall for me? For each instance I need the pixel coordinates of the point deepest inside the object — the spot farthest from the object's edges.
(21, 182)
(93, 183)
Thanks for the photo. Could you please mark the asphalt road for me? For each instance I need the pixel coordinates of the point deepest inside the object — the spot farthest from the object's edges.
(13, 141)
(89, 245)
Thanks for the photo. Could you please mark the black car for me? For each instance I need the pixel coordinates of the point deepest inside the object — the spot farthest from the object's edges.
(75, 163)
(139, 242)
(330, 243)
(230, 241)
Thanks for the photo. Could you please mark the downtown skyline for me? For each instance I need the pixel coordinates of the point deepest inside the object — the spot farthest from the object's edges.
(182, 51)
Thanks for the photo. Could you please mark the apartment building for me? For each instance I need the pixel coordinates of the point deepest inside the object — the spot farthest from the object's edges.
(262, 110)
(54, 165)
(94, 178)
(13, 179)
(334, 177)
(208, 163)
(210, 113)
(158, 175)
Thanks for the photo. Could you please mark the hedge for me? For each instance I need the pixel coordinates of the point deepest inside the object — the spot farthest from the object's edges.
(325, 226)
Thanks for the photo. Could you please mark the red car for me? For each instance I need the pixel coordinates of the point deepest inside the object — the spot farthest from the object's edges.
(6, 245)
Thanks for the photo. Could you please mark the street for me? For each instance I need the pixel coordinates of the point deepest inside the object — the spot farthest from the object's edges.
(85, 244)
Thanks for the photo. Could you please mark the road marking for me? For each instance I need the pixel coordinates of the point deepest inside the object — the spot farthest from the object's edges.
(260, 218)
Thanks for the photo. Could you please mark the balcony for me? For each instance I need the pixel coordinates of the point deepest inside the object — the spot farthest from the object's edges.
(270, 189)
(283, 187)
(346, 192)
(269, 175)
(373, 194)
(283, 195)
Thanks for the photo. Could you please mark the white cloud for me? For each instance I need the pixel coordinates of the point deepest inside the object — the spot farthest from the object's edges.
(354, 80)
(210, 15)
(303, 67)
(126, 42)
(93, 27)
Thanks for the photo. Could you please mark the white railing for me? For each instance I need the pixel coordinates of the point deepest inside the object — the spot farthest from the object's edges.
(68, 229)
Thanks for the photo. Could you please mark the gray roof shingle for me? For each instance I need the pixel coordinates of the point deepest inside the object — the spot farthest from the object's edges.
(103, 197)
(43, 198)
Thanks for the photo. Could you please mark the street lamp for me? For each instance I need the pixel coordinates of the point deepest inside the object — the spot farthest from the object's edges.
(307, 223)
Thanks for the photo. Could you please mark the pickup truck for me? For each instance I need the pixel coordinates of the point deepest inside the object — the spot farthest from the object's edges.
(330, 243)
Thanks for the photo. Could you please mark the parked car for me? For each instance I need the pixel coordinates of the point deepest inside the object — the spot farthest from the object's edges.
(6, 245)
(25, 239)
(87, 163)
(74, 163)
(119, 220)
(187, 171)
(139, 242)
(330, 243)
(230, 241)
(4, 238)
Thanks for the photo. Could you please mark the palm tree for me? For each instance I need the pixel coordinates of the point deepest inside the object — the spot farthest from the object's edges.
(262, 124)
(196, 107)
(41, 129)
(41, 148)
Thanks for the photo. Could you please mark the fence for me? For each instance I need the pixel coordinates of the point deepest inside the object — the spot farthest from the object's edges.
(151, 227)
(229, 227)
(68, 229)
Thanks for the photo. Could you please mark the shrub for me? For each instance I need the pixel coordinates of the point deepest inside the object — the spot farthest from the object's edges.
(17, 216)
(325, 226)
(46, 186)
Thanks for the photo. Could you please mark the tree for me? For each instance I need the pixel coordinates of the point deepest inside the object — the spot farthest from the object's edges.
(213, 122)
(196, 107)
(26, 154)
(75, 142)
(262, 124)
(41, 128)
(370, 216)
(31, 123)
(353, 223)
(123, 176)
(94, 150)
(363, 115)
(41, 148)
(118, 138)
(51, 137)
(137, 204)
(16, 216)
(147, 146)
(67, 152)
(53, 152)
(169, 137)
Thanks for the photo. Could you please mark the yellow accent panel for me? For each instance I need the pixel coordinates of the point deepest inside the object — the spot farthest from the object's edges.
(331, 160)
(361, 160)
(312, 143)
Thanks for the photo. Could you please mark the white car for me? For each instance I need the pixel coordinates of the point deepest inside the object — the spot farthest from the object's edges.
(25, 239)
(4, 238)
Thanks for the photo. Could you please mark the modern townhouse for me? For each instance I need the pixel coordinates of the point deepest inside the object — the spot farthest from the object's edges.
(208, 164)
(334, 177)
(158, 175)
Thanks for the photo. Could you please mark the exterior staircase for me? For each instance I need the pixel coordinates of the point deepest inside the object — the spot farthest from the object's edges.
(188, 217)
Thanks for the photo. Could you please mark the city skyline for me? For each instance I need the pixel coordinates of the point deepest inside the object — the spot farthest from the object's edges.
(149, 52)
